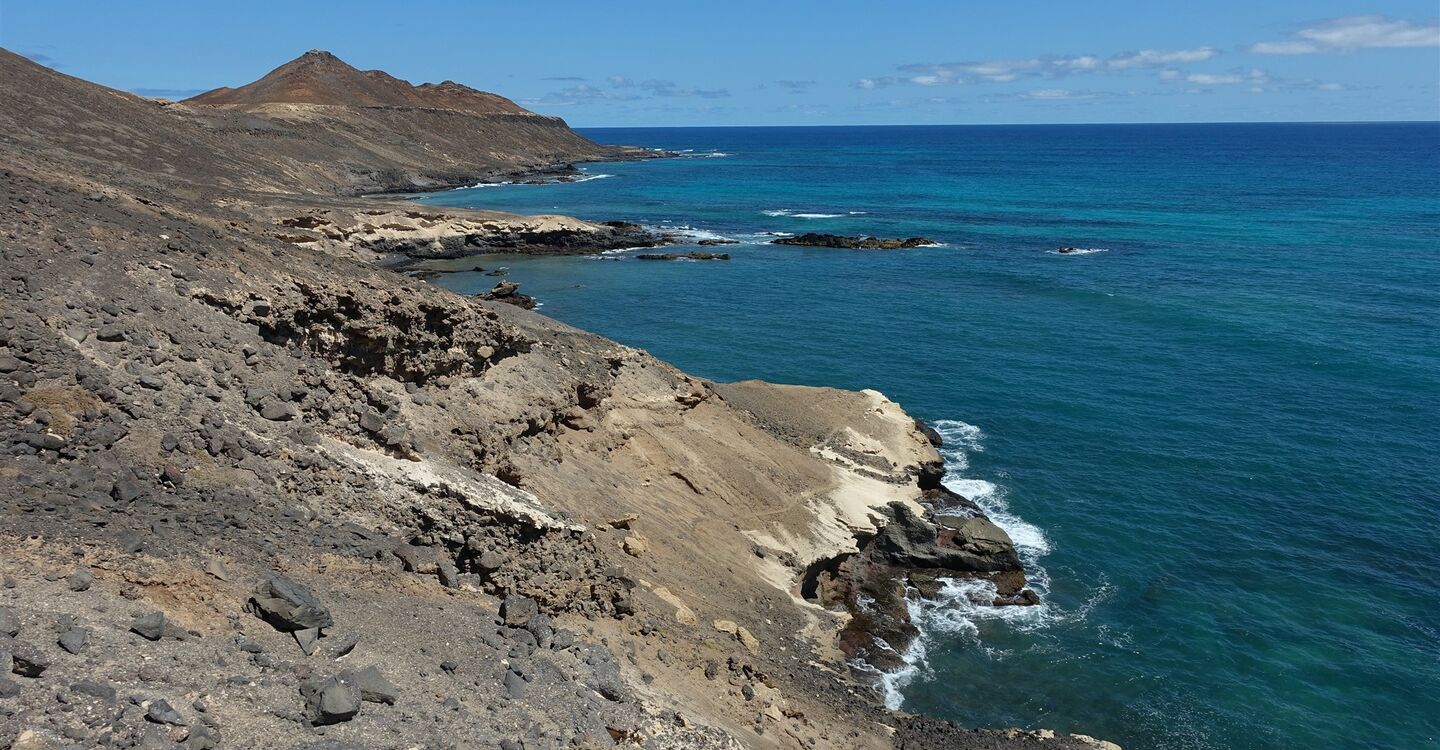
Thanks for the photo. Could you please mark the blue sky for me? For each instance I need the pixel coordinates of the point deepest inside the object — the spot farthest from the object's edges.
(779, 63)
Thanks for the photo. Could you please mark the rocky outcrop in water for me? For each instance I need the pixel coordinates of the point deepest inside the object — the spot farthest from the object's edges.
(813, 239)
(683, 256)
(909, 556)
(509, 293)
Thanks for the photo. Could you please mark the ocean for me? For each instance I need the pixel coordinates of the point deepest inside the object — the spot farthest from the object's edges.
(1215, 436)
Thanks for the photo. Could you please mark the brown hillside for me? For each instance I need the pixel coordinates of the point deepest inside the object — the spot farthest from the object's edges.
(284, 147)
(318, 77)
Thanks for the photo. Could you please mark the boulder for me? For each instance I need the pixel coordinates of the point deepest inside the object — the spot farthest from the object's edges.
(976, 534)
(372, 685)
(330, 701)
(151, 627)
(517, 610)
(25, 659)
(289, 606)
(160, 712)
(912, 542)
(74, 640)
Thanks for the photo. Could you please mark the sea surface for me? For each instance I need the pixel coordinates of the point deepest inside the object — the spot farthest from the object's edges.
(1215, 437)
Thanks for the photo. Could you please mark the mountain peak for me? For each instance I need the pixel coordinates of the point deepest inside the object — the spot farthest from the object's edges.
(319, 77)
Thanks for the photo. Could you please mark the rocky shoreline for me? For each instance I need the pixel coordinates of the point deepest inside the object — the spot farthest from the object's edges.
(259, 490)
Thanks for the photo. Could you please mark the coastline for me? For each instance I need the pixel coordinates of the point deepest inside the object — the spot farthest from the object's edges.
(518, 523)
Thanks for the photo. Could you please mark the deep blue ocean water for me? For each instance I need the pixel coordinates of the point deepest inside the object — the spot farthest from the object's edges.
(1216, 441)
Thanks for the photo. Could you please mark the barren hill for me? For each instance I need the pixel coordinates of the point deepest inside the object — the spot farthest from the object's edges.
(318, 77)
(455, 136)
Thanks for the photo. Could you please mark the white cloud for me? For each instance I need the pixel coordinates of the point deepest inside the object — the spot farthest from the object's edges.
(1050, 67)
(1254, 77)
(1353, 33)
(1212, 79)
(623, 89)
(1150, 58)
(1058, 95)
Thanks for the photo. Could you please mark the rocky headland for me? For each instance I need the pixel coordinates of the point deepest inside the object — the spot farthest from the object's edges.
(259, 490)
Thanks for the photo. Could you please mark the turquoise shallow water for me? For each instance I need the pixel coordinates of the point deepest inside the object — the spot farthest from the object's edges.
(1215, 441)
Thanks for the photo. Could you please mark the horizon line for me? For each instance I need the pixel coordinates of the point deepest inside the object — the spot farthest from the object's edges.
(1027, 124)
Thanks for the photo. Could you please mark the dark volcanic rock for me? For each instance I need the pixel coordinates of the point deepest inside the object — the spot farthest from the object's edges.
(813, 239)
(508, 292)
(517, 610)
(977, 545)
(289, 606)
(74, 640)
(150, 627)
(909, 549)
(683, 256)
(26, 659)
(330, 701)
(372, 685)
(160, 712)
(99, 690)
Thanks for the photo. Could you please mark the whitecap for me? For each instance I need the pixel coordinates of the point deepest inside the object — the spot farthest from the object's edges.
(800, 214)
(1080, 251)
(484, 185)
(694, 234)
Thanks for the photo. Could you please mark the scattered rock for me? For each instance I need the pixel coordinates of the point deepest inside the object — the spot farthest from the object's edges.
(287, 605)
(307, 638)
(160, 712)
(81, 579)
(373, 686)
(95, 690)
(517, 610)
(26, 659)
(635, 545)
(150, 627)
(74, 640)
(330, 701)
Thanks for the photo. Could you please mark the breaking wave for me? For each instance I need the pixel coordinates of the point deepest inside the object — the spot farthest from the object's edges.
(803, 214)
(962, 604)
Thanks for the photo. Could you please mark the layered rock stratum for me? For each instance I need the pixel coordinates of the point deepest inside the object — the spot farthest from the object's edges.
(256, 492)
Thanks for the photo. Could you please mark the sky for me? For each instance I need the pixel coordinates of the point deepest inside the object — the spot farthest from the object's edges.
(793, 62)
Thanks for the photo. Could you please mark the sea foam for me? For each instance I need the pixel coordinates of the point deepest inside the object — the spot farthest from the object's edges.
(800, 214)
(962, 603)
